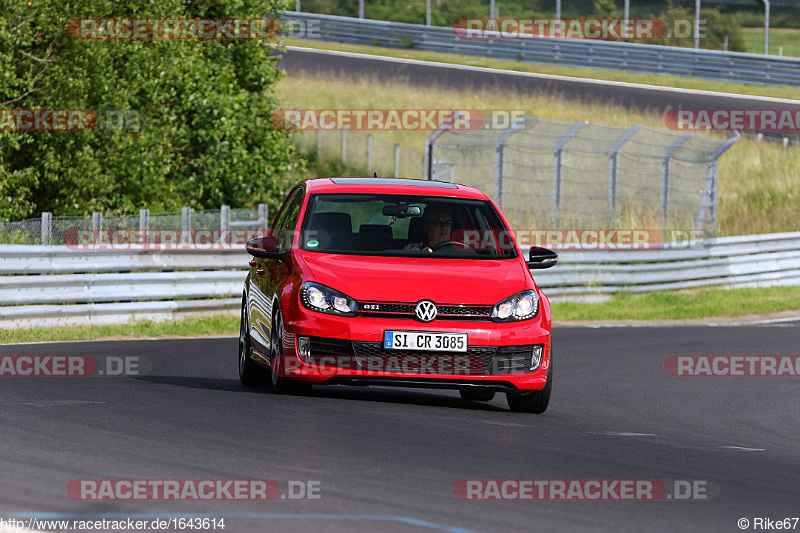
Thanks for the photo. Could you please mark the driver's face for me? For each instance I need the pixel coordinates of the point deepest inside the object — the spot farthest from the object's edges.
(438, 228)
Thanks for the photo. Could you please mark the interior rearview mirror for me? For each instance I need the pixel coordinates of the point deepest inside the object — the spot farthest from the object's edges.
(401, 210)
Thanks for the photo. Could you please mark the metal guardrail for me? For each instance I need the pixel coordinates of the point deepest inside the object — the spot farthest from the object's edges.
(93, 287)
(744, 261)
(631, 57)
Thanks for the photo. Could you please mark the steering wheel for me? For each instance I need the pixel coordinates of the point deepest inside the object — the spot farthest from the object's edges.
(445, 243)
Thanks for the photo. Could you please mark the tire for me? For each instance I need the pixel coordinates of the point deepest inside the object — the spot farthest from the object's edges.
(281, 384)
(250, 374)
(535, 401)
(477, 395)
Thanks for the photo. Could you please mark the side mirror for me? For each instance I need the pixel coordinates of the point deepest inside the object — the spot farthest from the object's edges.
(265, 247)
(539, 257)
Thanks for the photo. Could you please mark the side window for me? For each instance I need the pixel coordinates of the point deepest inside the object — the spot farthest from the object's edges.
(287, 220)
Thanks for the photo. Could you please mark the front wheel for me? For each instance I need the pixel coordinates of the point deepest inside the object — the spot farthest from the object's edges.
(250, 374)
(281, 384)
(534, 401)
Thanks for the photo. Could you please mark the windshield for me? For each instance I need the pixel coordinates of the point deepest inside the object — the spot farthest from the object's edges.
(405, 225)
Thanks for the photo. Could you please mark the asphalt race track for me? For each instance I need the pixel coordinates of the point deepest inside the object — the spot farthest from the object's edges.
(387, 459)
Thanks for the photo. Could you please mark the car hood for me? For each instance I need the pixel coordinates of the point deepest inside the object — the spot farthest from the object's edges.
(404, 279)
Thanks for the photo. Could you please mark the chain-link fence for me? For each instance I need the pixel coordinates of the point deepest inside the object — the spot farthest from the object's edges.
(552, 174)
(363, 154)
(62, 230)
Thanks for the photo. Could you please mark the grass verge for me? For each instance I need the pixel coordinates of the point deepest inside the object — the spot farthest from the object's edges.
(788, 38)
(682, 305)
(661, 80)
(191, 327)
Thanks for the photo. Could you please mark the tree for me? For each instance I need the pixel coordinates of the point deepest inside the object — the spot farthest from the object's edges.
(195, 113)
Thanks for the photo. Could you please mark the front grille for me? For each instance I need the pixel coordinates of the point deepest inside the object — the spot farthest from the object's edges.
(444, 311)
(372, 356)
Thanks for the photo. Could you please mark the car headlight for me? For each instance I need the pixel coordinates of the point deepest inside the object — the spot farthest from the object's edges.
(318, 297)
(521, 306)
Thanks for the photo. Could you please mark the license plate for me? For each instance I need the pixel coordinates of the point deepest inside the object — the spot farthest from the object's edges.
(425, 341)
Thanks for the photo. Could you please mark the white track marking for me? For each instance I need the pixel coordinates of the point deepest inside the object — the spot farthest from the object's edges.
(622, 434)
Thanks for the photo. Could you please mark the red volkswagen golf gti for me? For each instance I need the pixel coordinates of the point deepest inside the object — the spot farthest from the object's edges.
(372, 281)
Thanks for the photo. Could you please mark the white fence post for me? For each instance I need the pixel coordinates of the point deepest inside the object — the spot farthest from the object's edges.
(344, 147)
(97, 223)
(396, 160)
(144, 224)
(47, 227)
(369, 155)
(263, 217)
(186, 219)
(224, 217)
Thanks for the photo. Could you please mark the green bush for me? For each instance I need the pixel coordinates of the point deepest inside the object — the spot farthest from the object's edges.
(204, 136)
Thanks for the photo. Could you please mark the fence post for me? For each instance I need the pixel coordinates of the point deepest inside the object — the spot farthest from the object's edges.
(224, 217)
(665, 170)
(224, 222)
(557, 152)
(430, 140)
(344, 147)
(396, 160)
(186, 218)
(319, 145)
(263, 217)
(97, 223)
(144, 225)
(47, 227)
(612, 174)
(500, 148)
(709, 202)
(369, 155)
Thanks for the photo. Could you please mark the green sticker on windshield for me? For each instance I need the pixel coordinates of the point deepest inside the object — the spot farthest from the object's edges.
(312, 244)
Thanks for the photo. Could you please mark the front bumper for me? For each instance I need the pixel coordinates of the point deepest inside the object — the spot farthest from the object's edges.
(358, 342)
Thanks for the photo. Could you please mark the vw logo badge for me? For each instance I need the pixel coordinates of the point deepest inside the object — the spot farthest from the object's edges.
(426, 310)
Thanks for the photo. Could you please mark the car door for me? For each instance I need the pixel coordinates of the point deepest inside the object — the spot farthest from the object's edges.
(268, 274)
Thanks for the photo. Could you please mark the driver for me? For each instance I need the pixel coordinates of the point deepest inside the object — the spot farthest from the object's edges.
(437, 223)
